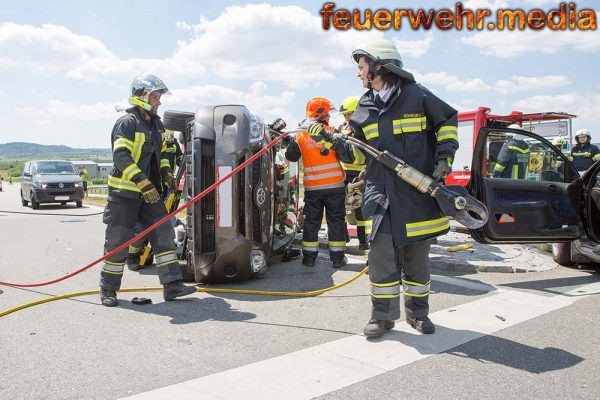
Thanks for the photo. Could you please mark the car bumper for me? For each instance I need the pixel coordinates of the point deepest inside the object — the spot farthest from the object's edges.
(57, 196)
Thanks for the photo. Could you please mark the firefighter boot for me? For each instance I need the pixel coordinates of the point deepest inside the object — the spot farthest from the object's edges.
(363, 246)
(309, 261)
(176, 289)
(339, 263)
(108, 298)
(376, 328)
(133, 261)
(423, 325)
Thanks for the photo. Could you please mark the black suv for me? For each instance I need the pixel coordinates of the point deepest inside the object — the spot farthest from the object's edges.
(232, 232)
(50, 181)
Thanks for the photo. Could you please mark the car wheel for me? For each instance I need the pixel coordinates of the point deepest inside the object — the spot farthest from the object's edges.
(178, 121)
(34, 204)
(561, 254)
(78, 203)
(24, 202)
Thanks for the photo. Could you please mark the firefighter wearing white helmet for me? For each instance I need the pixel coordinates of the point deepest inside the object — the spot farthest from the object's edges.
(513, 159)
(584, 154)
(134, 186)
(398, 115)
(353, 170)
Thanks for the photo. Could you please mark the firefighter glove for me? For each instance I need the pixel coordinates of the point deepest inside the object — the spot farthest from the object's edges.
(170, 181)
(442, 169)
(149, 192)
(315, 129)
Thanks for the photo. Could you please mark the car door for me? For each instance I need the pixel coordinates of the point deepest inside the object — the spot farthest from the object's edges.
(532, 192)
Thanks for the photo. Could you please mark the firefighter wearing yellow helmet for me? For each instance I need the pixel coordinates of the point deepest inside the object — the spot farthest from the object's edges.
(363, 227)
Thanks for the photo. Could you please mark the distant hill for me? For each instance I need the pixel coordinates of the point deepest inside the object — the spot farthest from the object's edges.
(22, 150)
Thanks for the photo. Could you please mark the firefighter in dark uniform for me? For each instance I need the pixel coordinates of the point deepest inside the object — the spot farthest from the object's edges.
(363, 227)
(584, 154)
(398, 115)
(323, 183)
(513, 158)
(133, 192)
(174, 155)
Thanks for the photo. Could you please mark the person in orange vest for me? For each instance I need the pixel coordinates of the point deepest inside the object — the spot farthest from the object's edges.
(323, 183)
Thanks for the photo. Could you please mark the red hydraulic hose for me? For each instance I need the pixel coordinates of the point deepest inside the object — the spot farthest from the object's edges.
(157, 223)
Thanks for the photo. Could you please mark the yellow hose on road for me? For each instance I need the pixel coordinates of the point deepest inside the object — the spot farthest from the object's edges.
(311, 293)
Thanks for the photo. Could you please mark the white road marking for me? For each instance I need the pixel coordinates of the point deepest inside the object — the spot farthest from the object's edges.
(321, 369)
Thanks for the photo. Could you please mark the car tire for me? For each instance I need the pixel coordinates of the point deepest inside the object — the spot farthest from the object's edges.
(79, 203)
(34, 204)
(24, 202)
(178, 121)
(561, 254)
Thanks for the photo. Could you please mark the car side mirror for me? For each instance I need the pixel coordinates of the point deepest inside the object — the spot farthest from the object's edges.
(26, 174)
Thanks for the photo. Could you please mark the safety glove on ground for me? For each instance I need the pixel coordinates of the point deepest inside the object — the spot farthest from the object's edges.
(442, 169)
(149, 192)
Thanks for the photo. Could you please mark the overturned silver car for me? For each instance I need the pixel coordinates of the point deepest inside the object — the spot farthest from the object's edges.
(232, 232)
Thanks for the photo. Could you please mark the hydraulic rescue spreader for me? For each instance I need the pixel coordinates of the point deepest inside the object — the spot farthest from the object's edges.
(454, 201)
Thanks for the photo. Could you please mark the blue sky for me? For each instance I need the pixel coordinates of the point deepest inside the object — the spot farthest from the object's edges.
(65, 64)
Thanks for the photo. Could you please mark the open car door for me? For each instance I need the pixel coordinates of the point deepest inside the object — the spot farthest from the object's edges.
(532, 192)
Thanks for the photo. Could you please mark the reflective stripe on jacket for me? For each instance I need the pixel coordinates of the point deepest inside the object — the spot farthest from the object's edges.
(584, 156)
(136, 148)
(320, 171)
(419, 128)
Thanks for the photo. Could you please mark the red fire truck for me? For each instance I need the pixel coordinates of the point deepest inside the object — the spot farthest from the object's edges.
(546, 124)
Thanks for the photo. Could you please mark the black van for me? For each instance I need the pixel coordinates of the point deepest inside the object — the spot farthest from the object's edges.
(50, 181)
(232, 232)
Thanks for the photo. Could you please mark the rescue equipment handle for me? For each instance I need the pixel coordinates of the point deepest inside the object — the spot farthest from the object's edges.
(164, 219)
(454, 201)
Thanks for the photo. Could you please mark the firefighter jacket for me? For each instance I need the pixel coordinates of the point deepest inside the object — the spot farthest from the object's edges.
(416, 126)
(354, 168)
(136, 147)
(513, 160)
(173, 153)
(321, 159)
(584, 155)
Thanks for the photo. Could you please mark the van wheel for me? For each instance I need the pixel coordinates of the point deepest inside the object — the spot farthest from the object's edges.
(24, 202)
(34, 204)
(561, 254)
(78, 203)
(178, 121)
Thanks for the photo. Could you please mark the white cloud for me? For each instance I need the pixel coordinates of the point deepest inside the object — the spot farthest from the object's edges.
(507, 44)
(585, 105)
(414, 48)
(58, 109)
(505, 86)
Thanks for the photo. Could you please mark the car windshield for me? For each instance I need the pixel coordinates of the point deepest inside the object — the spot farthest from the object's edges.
(55, 167)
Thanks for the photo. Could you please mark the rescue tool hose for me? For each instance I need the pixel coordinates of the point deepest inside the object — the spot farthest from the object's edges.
(159, 222)
(311, 293)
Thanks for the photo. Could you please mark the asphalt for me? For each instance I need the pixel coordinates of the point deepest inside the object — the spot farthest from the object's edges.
(506, 258)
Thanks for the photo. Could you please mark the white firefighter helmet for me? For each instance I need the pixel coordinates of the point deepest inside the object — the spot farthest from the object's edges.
(169, 136)
(583, 132)
(382, 52)
(139, 92)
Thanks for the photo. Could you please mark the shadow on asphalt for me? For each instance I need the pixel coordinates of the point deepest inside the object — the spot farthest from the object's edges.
(490, 349)
(191, 310)
(555, 285)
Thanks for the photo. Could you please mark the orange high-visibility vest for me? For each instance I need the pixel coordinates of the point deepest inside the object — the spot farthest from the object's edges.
(320, 171)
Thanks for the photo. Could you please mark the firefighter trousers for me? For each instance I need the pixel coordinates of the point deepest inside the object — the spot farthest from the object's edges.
(315, 201)
(120, 216)
(394, 267)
